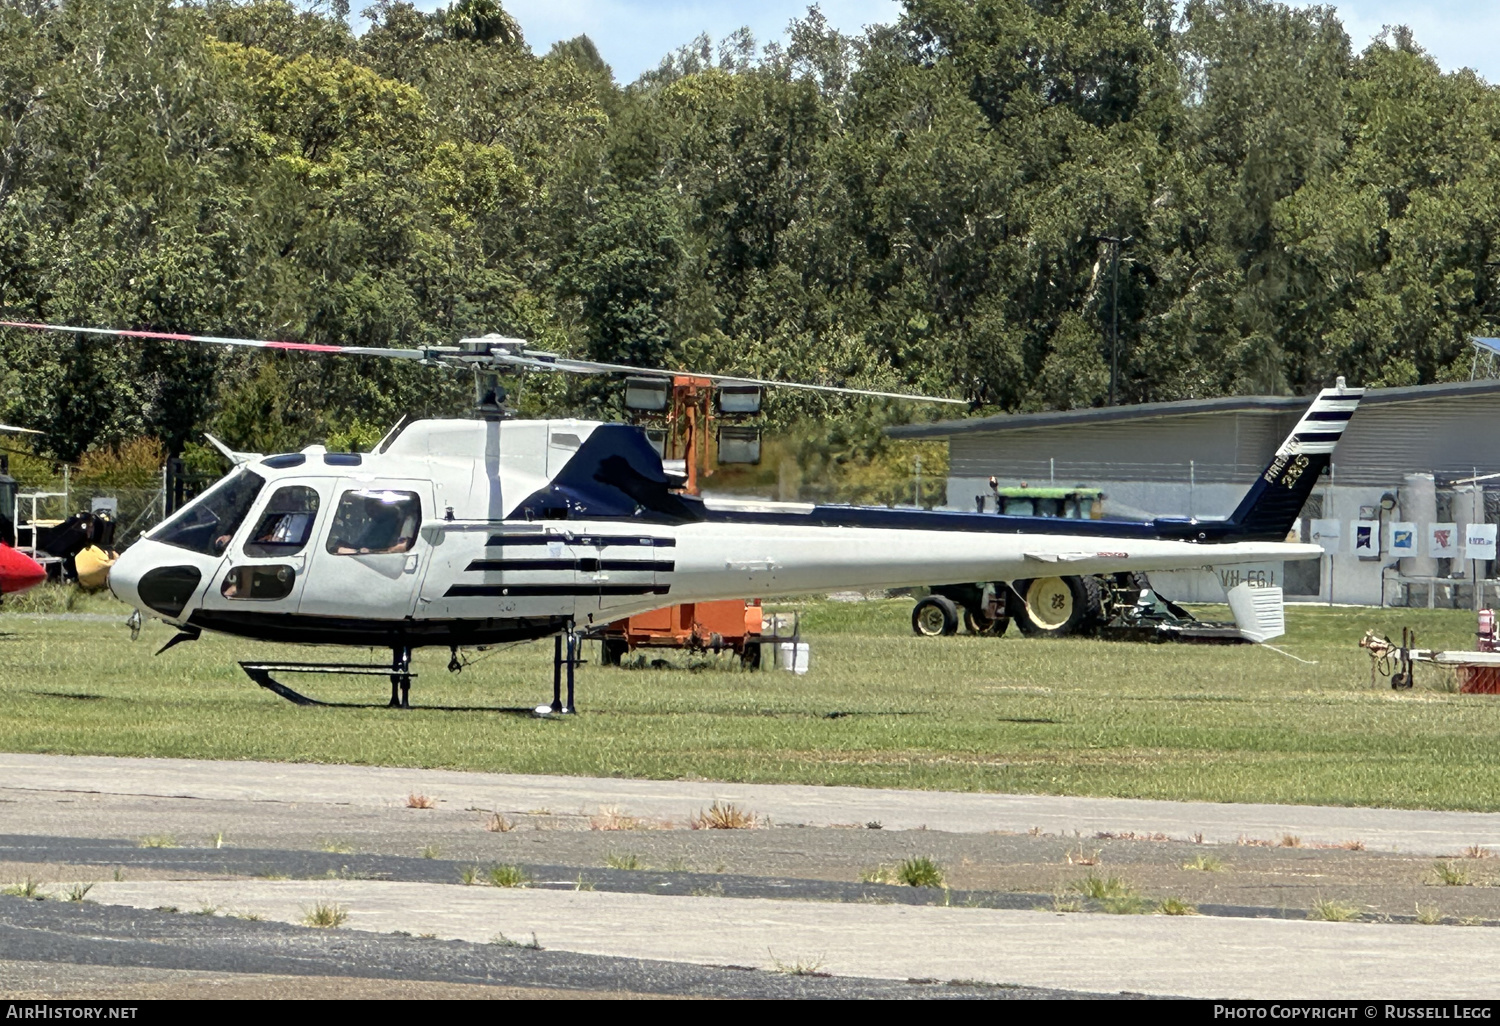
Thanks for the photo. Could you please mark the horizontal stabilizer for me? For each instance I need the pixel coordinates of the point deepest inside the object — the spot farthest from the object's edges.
(1259, 613)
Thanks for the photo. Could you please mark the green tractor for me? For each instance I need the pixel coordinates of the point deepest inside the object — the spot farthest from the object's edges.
(1041, 606)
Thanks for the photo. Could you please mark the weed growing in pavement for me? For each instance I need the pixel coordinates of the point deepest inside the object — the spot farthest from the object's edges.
(610, 818)
(1114, 894)
(509, 876)
(1206, 863)
(798, 967)
(1429, 915)
(119, 874)
(217, 840)
(716, 891)
(79, 891)
(249, 917)
(726, 816)
(431, 851)
(500, 940)
(30, 888)
(1471, 920)
(1351, 845)
(920, 871)
(1062, 903)
(206, 909)
(1176, 907)
(470, 875)
(878, 874)
(1290, 841)
(1477, 851)
(582, 884)
(498, 824)
(623, 860)
(325, 915)
(1450, 874)
(336, 846)
(1330, 910)
(1082, 858)
(420, 801)
(158, 841)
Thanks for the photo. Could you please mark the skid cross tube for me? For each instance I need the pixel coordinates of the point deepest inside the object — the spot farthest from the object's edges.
(261, 674)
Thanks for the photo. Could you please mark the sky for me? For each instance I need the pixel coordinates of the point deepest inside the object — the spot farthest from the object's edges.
(633, 35)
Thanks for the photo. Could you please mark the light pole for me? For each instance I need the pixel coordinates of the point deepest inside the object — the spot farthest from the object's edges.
(1115, 242)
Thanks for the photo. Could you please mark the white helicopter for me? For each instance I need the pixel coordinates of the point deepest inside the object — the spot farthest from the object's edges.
(472, 532)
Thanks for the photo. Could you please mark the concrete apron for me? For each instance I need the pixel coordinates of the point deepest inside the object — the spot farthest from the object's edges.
(1189, 956)
(1410, 831)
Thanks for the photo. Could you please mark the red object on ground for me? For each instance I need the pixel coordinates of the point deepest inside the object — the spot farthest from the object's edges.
(18, 571)
(1478, 680)
(699, 626)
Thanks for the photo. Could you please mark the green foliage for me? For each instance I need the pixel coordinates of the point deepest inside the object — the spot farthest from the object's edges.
(924, 206)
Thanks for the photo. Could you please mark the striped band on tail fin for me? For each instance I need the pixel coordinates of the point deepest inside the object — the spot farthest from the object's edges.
(1275, 500)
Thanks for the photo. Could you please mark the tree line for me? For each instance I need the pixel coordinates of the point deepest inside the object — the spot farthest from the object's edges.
(965, 202)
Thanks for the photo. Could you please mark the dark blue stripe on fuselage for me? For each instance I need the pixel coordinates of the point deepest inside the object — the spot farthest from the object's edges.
(1329, 415)
(586, 564)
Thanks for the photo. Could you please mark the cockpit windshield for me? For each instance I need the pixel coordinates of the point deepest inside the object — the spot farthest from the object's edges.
(208, 523)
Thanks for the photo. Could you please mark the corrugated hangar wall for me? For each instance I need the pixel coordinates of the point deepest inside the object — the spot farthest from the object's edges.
(1225, 448)
(1445, 436)
(1448, 436)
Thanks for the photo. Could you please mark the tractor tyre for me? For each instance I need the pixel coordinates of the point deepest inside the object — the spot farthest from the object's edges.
(1055, 607)
(978, 623)
(613, 650)
(750, 655)
(935, 616)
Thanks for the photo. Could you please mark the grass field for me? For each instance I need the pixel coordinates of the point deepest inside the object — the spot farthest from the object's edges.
(880, 708)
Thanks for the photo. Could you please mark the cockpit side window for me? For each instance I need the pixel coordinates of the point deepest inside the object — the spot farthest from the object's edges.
(208, 523)
(286, 523)
(375, 520)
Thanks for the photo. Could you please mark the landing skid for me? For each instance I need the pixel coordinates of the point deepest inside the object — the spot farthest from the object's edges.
(399, 672)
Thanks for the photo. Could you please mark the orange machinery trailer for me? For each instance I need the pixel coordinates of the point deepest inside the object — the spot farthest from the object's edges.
(685, 414)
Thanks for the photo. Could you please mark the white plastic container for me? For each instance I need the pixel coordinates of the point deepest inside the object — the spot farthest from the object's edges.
(795, 656)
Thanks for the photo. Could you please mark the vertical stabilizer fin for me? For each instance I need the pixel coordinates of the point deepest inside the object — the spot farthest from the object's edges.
(1275, 500)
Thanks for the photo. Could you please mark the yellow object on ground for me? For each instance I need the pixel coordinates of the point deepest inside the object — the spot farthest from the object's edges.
(93, 565)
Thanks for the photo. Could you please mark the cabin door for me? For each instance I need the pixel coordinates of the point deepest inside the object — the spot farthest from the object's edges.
(372, 554)
(265, 570)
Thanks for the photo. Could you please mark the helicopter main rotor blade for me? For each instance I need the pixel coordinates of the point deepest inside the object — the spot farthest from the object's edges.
(303, 347)
(548, 361)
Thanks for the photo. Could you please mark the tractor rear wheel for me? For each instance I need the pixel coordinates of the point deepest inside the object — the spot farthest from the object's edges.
(613, 650)
(1057, 606)
(750, 655)
(935, 616)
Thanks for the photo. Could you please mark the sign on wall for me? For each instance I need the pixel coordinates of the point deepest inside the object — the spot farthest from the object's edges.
(1403, 541)
(1366, 535)
(1442, 541)
(1479, 541)
(1326, 534)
